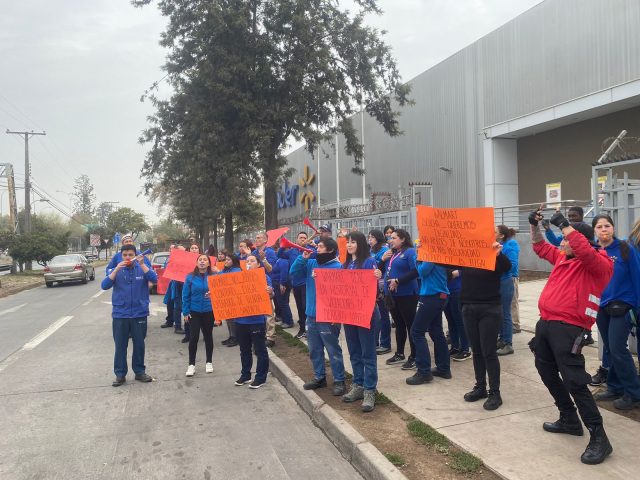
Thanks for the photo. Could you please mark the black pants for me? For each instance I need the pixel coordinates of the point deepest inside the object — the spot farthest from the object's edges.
(201, 321)
(403, 313)
(253, 335)
(169, 318)
(553, 344)
(483, 323)
(300, 294)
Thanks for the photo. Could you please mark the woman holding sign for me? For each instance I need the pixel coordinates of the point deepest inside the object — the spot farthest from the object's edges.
(382, 328)
(196, 308)
(361, 341)
(229, 263)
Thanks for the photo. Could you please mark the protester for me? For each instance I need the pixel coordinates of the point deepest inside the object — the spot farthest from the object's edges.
(244, 249)
(634, 240)
(568, 307)
(299, 285)
(130, 308)
(198, 314)
(321, 335)
(388, 230)
(231, 264)
(482, 316)
(459, 350)
(250, 332)
(117, 258)
(616, 316)
(575, 215)
(510, 248)
(428, 318)
(176, 294)
(267, 257)
(401, 293)
(282, 287)
(361, 341)
(382, 328)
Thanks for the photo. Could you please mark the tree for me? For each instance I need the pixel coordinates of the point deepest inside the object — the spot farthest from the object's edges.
(126, 220)
(39, 247)
(289, 69)
(102, 212)
(83, 196)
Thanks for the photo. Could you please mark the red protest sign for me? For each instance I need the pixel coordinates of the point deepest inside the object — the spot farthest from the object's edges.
(163, 282)
(275, 234)
(239, 294)
(345, 296)
(181, 263)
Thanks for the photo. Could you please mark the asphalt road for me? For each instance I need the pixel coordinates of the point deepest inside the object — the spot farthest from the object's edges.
(61, 419)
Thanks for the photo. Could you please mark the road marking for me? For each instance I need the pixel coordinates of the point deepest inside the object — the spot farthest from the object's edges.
(108, 303)
(34, 342)
(12, 309)
(100, 292)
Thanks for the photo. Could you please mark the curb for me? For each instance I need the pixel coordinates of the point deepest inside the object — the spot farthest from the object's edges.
(13, 291)
(363, 455)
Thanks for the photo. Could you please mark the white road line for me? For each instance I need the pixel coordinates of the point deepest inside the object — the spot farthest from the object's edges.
(12, 309)
(100, 292)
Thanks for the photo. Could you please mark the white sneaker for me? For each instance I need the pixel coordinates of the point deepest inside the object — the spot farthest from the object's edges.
(208, 368)
(191, 370)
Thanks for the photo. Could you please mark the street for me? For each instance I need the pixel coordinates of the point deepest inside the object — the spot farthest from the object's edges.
(62, 419)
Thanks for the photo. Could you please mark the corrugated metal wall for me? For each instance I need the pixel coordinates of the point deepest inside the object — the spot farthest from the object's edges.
(556, 51)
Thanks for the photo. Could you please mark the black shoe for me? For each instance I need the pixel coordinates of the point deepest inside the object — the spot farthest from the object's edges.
(185, 340)
(178, 331)
(166, 325)
(437, 373)
(476, 394)
(607, 396)
(301, 334)
(224, 342)
(339, 389)
(626, 403)
(461, 356)
(410, 364)
(315, 383)
(567, 423)
(493, 402)
(453, 351)
(143, 377)
(256, 384)
(397, 358)
(270, 343)
(500, 344)
(599, 447)
(242, 381)
(232, 342)
(600, 377)
(419, 379)
(119, 381)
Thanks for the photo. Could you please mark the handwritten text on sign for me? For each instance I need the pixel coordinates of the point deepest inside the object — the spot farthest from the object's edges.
(345, 296)
(457, 236)
(239, 294)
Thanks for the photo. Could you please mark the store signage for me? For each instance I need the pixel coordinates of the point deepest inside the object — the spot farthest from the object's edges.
(288, 196)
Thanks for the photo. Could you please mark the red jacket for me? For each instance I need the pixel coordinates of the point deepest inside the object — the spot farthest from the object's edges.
(572, 293)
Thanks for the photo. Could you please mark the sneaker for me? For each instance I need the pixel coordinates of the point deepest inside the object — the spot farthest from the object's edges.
(315, 383)
(476, 394)
(493, 402)
(301, 334)
(397, 358)
(179, 331)
(461, 356)
(232, 342)
(453, 351)
(419, 379)
(242, 381)
(506, 350)
(185, 340)
(257, 384)
(626, 403)
(339, 389)
(600, 377)
(119, 381)
(516, 330)
(599, 447)
(191, 370)
(409, 365)
(437, 373)
(208, 368)
(607, 396)
(270, 343)
(143, 377)
(224, 342)
(500, 344)
(166, 325)
(382, 350)
(355, 393)
(369, 401)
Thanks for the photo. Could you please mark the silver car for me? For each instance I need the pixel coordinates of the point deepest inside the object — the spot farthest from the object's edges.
(69, 268)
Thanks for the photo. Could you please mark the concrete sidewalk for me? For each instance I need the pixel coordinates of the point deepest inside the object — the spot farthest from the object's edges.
(510, 440)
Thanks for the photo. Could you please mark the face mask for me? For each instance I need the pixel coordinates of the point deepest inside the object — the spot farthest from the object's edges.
(323, 258)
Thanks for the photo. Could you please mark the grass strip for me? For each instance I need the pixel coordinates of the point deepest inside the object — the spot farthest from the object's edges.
(395, 459)
(464, 462)
(427, 435)
(291, 340)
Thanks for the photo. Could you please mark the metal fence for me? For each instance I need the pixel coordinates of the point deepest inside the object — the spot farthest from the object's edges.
(516, 216)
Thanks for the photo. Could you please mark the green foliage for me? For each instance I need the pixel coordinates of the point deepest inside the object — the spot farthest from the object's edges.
(83, 196)
(125, 220)
(39, 247)
(464, 462)
(395, 459)
(291, 340)
(426, 434)
(382, 399)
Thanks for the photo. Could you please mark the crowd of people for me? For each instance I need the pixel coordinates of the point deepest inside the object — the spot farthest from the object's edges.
(595, 278)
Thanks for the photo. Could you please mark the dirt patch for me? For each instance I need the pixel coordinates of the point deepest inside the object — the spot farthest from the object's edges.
(17, 282)
(632, 414)
(385, 427)
(530, 275)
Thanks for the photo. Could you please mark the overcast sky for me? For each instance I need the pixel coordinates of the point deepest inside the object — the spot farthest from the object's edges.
(77, 69)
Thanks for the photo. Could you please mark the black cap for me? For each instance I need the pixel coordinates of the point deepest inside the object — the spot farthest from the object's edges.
(585, 230)
(325, 228)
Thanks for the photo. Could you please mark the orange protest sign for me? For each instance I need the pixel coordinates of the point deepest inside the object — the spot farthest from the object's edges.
(243, 264)
(342, 248)
(457, 236)
(239, 294)
(345, 296)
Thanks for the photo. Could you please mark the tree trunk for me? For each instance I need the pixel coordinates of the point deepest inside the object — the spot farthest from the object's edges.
(228, 230)
(270, 203)
(215, 234)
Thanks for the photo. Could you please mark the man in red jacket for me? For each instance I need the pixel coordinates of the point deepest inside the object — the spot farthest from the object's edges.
(568, 308)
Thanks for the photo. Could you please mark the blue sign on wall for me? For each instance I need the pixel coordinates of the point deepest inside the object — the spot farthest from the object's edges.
(287, 197)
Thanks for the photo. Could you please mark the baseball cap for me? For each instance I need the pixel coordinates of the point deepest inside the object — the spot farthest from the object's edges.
(325, 228)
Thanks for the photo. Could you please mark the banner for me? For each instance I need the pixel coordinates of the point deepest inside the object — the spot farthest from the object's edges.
(239, 294)
(163, 282)
(457, 236)
(181, 263)
(274, 235)
(342, 249)
(345, 296)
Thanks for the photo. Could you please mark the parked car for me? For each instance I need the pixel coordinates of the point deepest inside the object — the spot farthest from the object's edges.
(72, 267)
(91, 254)
(158, 261)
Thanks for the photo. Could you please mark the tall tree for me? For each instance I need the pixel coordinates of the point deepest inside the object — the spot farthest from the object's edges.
(126, 220)
(83, 196)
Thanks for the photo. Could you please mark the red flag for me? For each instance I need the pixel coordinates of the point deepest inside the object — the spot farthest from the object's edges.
(275, 234)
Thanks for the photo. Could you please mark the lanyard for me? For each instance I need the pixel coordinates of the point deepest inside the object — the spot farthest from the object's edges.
(392, 259)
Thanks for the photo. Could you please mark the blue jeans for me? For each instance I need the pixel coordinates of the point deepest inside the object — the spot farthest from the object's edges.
(282, 300)
(429, 319)
(248, 336)
(361, 343)
(382, 326)
(122, 328)
(506, 295)
(321, 336)
(614, 332)
(453, 312)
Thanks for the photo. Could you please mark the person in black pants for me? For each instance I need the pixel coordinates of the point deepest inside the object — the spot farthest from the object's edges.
(482, 316)
(299, 284)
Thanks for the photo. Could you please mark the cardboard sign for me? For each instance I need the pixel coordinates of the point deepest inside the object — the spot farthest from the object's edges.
(457, 236)
(345, 296)
(163, 282)
(274, 235)
(181, 263)
(239, 294)
(342, 249)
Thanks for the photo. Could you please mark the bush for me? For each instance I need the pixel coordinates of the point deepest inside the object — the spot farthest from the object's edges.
(38, 247)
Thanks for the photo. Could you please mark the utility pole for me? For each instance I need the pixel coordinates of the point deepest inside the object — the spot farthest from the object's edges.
(27, 182)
